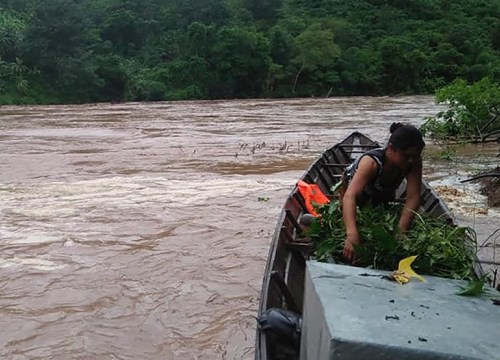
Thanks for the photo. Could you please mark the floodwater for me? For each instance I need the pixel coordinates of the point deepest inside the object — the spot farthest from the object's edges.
(141, 230)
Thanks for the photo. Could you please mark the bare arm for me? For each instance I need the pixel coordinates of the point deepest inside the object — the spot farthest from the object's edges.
(367, 170)
(413, 187)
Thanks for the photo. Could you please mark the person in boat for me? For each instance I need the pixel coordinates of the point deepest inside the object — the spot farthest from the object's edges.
(375, 176)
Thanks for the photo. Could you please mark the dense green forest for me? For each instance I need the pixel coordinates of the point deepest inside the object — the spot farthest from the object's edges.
(65, 51)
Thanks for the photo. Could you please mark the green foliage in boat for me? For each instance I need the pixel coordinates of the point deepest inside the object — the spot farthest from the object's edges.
(443, 249)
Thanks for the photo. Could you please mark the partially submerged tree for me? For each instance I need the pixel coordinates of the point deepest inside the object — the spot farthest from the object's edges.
(473, 112)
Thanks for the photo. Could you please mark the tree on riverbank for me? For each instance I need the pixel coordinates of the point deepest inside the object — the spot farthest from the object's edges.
(473, 115)
(473, 112)
(65, 51)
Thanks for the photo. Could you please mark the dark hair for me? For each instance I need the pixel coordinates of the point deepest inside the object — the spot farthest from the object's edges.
(405, 136)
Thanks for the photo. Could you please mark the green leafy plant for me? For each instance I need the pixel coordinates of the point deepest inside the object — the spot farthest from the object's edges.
(448, 153)
(443, 250)
(473, 111)
(473, 288)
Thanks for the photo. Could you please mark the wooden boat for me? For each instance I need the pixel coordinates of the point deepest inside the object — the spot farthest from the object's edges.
(283, 284)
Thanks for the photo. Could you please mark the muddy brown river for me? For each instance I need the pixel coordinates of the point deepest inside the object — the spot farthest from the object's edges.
(141, 230)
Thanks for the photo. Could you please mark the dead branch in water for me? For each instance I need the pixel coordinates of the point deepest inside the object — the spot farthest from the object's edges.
(494, 174)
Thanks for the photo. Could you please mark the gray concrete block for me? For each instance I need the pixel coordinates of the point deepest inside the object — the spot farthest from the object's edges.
(353, 313)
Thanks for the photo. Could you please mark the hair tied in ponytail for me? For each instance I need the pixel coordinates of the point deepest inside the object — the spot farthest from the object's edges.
(395, 126)
(405, 136)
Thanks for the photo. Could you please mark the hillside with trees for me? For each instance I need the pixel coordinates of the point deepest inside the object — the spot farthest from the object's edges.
(76, 51)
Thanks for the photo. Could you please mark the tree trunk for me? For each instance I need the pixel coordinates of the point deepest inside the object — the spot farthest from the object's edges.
(297, 78)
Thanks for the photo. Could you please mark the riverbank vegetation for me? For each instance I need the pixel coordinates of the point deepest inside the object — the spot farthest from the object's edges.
(472, 115)
(71, 51)
(473, 112)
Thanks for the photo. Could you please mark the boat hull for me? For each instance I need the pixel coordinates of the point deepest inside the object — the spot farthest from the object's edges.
(284, 277)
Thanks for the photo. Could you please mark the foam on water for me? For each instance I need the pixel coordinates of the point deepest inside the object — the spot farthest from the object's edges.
(33, 263)
(462, 198)
(57, 209)
(55, 198)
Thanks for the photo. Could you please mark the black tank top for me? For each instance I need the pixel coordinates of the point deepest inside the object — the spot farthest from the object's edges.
(375, 192)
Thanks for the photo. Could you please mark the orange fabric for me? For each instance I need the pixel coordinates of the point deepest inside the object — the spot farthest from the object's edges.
(312, 195)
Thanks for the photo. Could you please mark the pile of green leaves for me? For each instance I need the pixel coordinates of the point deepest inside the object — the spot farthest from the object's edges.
(443, 250)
